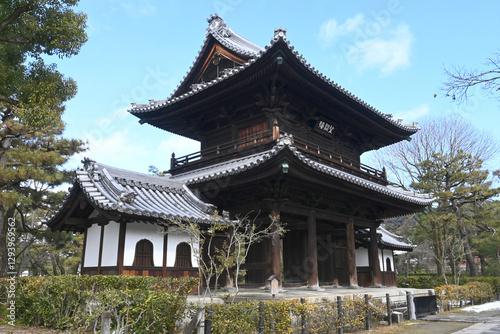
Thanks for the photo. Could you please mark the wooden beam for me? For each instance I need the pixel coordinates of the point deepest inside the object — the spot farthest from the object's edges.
(351, 254)
(297, 209)
(312, 251)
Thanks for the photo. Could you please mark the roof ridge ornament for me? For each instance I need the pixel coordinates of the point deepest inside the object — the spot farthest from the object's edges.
(217, 25)
(285, 139)
(279, 34)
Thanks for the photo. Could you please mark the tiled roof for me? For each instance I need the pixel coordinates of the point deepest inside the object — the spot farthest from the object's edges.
(141, 195)
(393, 240)
(218, 28)
(236, 42)
(240, 165)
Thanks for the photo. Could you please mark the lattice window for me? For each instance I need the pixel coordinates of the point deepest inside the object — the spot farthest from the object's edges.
(143, 254)
(183, 255)
(253, 134)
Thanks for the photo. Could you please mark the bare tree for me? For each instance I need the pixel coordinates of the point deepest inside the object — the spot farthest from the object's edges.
(460, 79)
(444, 158)
(215, 257)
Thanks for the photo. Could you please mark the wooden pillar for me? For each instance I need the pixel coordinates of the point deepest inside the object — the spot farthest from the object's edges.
(373, 256)
(351, 254)
(312, 251)
(165, 253)
(121, 247)
(276, 247)
(101, 240)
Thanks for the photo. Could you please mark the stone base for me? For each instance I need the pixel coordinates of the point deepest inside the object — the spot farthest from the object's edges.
(397, 317)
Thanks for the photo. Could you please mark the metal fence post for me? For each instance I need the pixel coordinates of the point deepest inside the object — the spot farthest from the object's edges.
(340, 314)
(304, 317)
(261, 318)
(389, 309)
(496, 288)
(368, 313)
(208, 320)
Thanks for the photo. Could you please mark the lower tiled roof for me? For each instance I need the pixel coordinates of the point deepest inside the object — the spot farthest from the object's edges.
(237, 166)
(136, 194)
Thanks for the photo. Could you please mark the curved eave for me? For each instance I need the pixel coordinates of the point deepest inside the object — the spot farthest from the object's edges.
(151, 198)
(241, 165)
(157, 108)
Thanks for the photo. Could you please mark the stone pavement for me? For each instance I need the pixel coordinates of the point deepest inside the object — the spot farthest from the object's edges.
(487, 322)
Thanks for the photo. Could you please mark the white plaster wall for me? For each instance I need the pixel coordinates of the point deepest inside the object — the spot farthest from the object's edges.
(173, 240)
(110, 244)
(362, 259)
(383, 255)
(92, 246)
(138, 231)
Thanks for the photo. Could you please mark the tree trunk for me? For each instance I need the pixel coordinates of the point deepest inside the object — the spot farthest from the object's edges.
(469, 257)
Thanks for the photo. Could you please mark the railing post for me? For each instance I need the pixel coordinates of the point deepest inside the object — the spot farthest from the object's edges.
(496, 288)
(389, 309)
(303, 318)
(340, 315)
(368, 314)
(208, 320)
(261, 318)
(172, 161)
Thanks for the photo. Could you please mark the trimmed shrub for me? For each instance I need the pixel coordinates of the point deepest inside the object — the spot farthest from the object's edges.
(77, 302)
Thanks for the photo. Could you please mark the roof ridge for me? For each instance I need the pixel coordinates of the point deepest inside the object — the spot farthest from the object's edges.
(280, 36)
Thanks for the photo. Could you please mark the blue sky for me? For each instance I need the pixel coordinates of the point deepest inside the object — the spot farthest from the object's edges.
(390, 54)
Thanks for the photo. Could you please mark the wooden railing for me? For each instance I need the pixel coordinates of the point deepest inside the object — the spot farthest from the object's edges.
(226, 151)
(265, 140)
(330, 158)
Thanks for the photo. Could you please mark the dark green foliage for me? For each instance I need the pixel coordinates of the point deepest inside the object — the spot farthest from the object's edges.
(32, 97)
(143, 304)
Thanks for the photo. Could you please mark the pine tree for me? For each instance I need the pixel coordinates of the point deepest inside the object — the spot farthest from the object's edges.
(32, 97)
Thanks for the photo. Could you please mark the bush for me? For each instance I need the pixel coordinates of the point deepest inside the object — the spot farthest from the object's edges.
(77, 302)
(285, 316)
(452, 294)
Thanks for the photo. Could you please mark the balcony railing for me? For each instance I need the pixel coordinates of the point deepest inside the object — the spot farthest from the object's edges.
(330, 158)
(227, 151)
(265, 140)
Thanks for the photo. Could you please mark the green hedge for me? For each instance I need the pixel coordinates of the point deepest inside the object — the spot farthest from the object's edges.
(285, 316)
(432, 281)
(77, 302)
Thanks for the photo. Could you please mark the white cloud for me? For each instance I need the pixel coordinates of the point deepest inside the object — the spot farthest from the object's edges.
(115, 148)
(331, 30)
(387, 55)
(369, 44)
(413, 114)
(179, 145)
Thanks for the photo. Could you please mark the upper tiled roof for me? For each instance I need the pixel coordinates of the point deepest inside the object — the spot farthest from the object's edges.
(237, 166)
(141, 195)
(237, 43)
(218, 28)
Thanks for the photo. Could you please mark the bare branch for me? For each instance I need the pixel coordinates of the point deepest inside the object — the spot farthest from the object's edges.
(460, 80)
